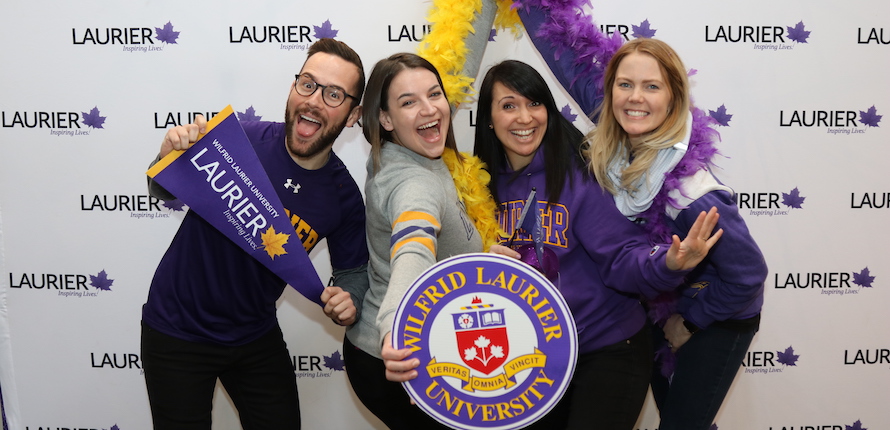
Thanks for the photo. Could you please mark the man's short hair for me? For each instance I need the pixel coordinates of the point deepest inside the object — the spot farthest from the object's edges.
(342, 50)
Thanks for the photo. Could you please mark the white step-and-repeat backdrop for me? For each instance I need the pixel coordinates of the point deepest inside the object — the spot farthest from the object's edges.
(88, 88)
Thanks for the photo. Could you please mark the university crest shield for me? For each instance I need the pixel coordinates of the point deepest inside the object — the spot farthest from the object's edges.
(481, 336)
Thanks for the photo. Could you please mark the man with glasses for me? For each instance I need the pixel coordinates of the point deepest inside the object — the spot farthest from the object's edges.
(211, 309)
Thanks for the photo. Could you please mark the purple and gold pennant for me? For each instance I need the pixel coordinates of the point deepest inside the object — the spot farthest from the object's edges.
(223, 181)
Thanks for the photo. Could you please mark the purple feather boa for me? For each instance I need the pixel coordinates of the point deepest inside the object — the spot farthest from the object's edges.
(570, 28)
(698, 156)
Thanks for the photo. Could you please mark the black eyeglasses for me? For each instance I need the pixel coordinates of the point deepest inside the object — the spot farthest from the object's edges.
(332, 96)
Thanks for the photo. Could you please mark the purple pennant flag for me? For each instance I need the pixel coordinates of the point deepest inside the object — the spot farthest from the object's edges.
(223, 181)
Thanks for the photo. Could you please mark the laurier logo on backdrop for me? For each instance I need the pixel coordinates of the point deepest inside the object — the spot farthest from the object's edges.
(837, 122)
(169, 119)
(867, 356)
(113, 427)
(59, 123)
(872, 35)
(72, 285)
(770, 203)
(288, 37)
(857, 425)
(133, 205)
(496, 342)
(769, 362)
(643, 30)
(763, 37)
(870, 200)
(827, 283)
(318, 366)
(131, 39)
(407, 32)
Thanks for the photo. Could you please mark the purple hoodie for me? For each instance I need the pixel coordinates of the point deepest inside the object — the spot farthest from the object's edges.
(605, 261)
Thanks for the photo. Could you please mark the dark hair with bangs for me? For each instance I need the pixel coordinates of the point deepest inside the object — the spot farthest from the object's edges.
(562, 140)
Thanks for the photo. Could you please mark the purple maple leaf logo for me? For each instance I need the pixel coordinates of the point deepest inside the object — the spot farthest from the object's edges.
(93, 119)
(870, 117)
(856, 426)
(793, 199)
(166, 34)
(567, 113)
(788, 357)
(101, 281)
(863, 278)
(115, 427)
(325, 31)
(691, 73)
(721, 116)
(798, 34)
(334, 362)
(249, 114)
(643, 30)
(713, 427)
(174, 204)
(492, 34)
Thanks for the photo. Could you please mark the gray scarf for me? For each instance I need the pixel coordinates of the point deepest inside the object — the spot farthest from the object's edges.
(647, 187)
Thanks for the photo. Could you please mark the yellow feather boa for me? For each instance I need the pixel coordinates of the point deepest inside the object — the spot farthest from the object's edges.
(507, 17)
(471, 180)
(444, 45)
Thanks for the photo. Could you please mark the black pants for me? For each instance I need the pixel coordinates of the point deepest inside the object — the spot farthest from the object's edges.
(181, 376)
(610, 385)
(385, 399)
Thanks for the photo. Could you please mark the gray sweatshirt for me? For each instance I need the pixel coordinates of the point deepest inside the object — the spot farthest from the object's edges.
(414, 219)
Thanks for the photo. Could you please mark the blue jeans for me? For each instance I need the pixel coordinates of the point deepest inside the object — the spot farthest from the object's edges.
(181, 376)
(705, 368)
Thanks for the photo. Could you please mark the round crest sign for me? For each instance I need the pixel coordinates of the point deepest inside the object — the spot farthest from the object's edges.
(496, 341)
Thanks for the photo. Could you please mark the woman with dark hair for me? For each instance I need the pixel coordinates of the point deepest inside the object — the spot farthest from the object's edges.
(605, 262)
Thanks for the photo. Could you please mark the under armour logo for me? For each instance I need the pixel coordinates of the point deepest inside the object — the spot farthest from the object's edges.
(290, 184)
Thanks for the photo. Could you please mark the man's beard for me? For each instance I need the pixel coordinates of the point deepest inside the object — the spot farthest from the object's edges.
(326, 139)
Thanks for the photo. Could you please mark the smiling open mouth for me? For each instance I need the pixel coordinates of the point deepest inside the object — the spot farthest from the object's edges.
(523, 134)
(307, 126)
(429, 131)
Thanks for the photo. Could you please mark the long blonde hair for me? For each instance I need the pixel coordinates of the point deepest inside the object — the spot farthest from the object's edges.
(607, 138)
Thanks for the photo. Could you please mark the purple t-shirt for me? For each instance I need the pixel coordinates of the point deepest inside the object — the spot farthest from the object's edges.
(207, 289)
